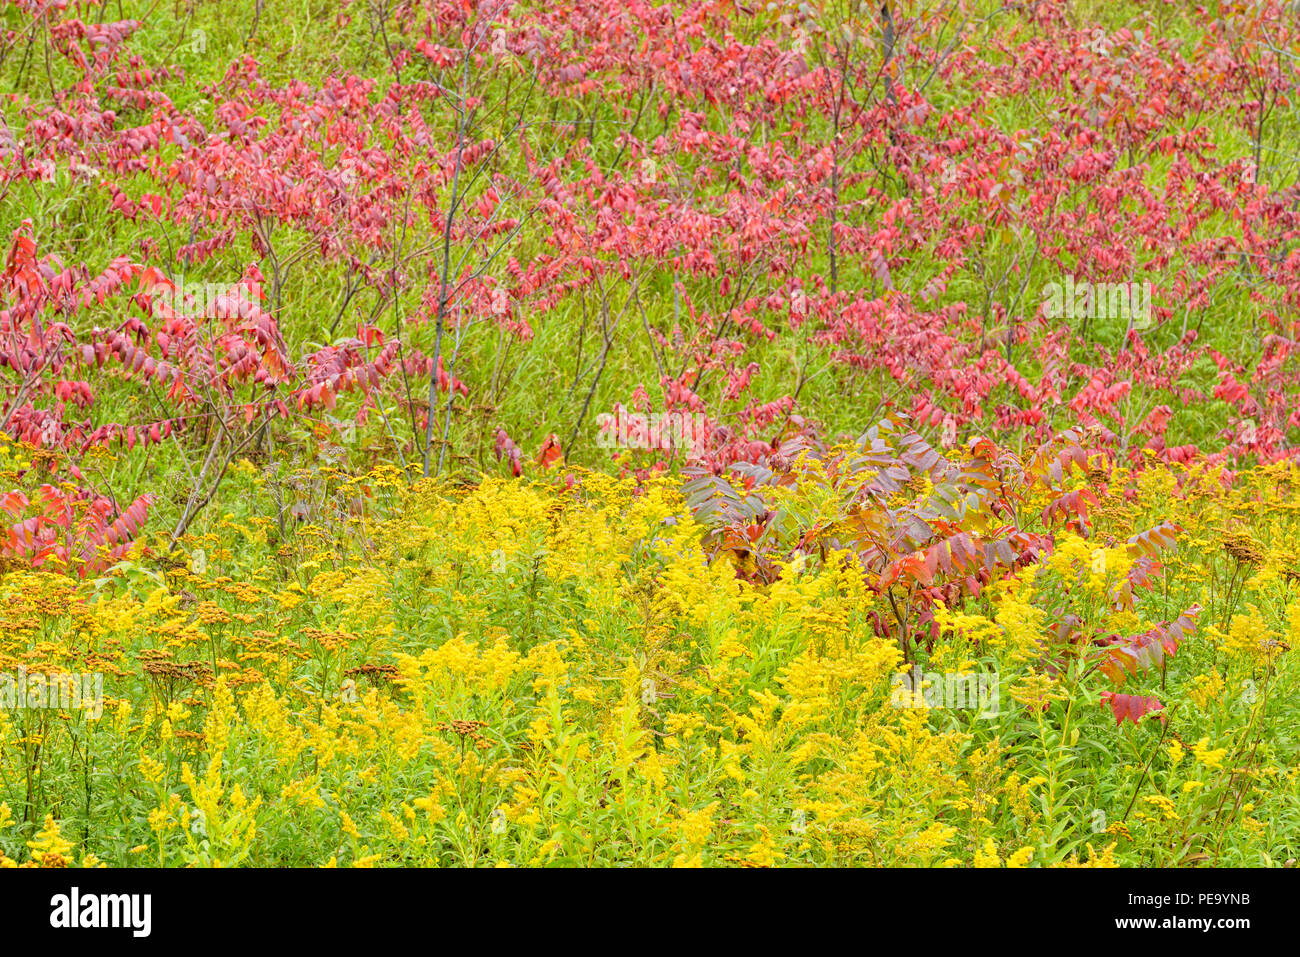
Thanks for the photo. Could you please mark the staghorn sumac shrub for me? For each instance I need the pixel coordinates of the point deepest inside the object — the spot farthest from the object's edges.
(68, 531)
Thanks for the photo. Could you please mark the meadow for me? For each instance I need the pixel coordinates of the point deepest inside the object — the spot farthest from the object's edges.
(704, 433)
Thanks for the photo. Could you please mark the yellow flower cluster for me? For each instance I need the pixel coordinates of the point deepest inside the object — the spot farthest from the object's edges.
(577, 674)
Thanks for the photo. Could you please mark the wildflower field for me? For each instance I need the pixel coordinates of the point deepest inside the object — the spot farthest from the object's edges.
(607, 433)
